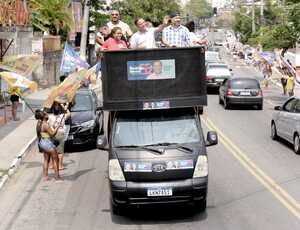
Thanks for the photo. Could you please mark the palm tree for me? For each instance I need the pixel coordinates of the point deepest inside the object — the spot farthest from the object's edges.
(52, 16)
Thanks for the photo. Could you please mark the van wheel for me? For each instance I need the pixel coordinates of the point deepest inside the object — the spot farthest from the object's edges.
(116, 209)
(297, 144)
(274, 135)
(200, 206)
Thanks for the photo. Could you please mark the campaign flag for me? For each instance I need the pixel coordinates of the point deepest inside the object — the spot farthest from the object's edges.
(71, 60)
(19, 81)
(21, 64)
(66, 90)
(268, 56)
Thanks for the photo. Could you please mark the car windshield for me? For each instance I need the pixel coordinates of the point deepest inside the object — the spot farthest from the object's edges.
(244, 84)
(150, 131)
(83, 102)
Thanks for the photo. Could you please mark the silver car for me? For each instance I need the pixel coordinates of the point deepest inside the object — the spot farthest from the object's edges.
(286, 122)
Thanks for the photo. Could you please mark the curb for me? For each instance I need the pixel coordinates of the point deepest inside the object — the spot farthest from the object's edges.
(17, 161)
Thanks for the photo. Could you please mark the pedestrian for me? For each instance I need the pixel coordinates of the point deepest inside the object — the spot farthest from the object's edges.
(15, 94)
(46, 144)
(290, 85)
(60, 114)
(115, 21)
(144, 38)
(283, 79)
(267, 73)
(176, 35)
(194, 39)
(102, 35)
(115, 42)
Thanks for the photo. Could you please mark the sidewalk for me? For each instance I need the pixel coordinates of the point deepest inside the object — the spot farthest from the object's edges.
(19, 138)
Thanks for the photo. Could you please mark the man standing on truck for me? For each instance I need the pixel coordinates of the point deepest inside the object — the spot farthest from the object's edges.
(116, 22)
(144, 38)
(176, 35)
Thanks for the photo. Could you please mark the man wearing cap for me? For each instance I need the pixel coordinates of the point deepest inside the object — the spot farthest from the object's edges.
(116, 22)
(144, 38)
(176, 35)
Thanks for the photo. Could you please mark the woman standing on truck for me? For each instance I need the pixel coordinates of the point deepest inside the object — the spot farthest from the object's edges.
(115, 42)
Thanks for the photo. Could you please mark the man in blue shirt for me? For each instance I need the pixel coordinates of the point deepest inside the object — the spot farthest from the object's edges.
(176, 35)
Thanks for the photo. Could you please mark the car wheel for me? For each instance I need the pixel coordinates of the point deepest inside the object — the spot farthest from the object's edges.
(220, 100)
(297, 144)
(274, 135)
(226, 104)
(200, 206)
(260, 106)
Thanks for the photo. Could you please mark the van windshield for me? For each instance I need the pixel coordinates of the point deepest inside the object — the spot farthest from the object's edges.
(154, 130)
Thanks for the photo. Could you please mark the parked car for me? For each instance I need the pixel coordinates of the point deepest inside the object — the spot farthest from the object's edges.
(86, 118)
(216, 73)
(241, 91)
(286, 122)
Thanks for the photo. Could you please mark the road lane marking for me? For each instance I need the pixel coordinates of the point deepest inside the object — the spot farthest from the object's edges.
(286, 199)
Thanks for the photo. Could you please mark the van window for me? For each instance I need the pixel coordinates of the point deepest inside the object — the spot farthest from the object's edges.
(148, 131)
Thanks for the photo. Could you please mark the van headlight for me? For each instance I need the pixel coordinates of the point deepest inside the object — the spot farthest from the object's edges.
(114, 171)
(201, 168)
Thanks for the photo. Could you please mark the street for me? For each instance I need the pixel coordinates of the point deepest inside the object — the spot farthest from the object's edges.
(253, 181)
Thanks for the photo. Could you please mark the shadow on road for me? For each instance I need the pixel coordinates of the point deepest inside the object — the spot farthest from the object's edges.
(159, 215)
(76, 175)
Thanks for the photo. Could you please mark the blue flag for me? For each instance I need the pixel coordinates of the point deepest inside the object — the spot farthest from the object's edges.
(71, 60)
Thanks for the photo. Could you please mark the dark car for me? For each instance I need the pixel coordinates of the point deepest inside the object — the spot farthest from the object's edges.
(158, 157)
(241, 91)
(86, 118)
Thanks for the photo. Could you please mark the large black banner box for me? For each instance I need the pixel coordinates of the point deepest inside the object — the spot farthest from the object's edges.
(153, 79)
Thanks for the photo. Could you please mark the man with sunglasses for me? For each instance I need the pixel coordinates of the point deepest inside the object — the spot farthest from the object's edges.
(116, 22)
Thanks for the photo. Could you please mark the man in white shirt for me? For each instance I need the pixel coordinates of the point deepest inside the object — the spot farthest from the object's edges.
(116, 22)
(144, 38)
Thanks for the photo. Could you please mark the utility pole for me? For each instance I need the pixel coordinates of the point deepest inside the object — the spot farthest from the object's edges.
(84, 31)
(262, 11)
(253, 18)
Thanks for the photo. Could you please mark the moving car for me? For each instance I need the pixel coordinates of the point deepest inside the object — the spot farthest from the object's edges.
(286, 122)
(86, 118)
(241, 91)
(216, 73)
(212, 56)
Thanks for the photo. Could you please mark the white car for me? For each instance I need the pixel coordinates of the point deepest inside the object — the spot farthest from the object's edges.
(286, 122)
(216, 73)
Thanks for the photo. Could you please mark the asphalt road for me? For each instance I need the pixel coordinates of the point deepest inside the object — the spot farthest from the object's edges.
(253, 182)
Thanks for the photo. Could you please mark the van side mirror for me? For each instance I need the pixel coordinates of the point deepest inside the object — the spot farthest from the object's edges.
(212, 138)
(278, 107)
(102, 143)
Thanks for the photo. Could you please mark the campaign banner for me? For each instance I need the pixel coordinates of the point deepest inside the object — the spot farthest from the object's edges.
(151, 70)
(71, 60)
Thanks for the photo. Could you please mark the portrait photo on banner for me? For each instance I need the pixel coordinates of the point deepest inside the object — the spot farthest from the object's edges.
(151, 70)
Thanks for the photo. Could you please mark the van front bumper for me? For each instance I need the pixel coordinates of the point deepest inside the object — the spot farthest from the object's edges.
(135, 193)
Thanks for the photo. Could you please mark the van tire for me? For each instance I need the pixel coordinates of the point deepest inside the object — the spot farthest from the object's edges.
(200, 206)
(116, 209)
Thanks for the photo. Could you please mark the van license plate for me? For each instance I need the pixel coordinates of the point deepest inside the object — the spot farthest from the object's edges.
(160, 192)
(245, 93)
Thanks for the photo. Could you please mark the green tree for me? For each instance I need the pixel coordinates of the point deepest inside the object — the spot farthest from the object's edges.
(153, 10)
(52, 16)
(198, 8)
(98, 17)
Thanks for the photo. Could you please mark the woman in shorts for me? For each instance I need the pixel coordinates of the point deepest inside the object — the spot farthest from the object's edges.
(46, 145)
(15, 93)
